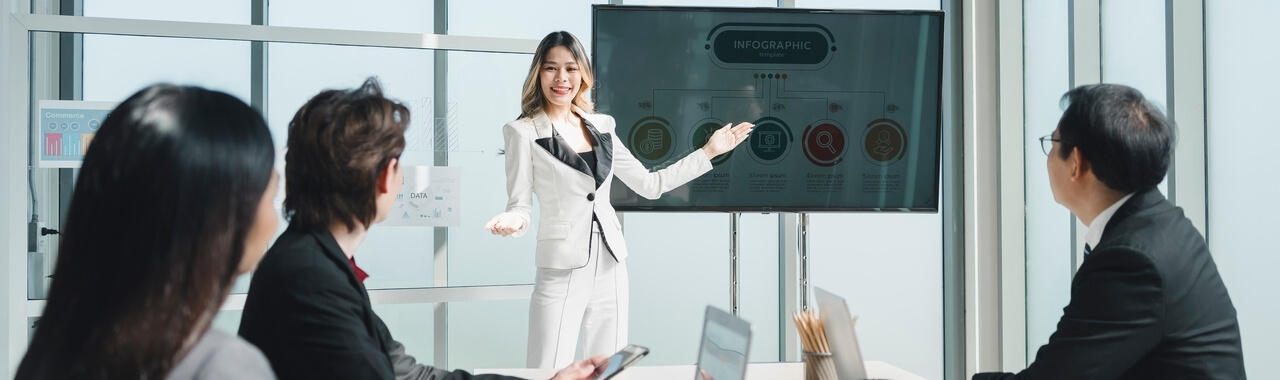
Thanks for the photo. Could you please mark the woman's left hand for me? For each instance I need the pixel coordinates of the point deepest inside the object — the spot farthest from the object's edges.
(505, 224)
(727, 138)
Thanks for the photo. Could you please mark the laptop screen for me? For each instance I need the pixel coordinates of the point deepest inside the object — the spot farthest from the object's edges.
(725, 342)
(840, 335)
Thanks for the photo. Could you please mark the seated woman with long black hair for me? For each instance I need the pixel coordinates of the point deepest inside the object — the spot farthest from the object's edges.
(172, 202)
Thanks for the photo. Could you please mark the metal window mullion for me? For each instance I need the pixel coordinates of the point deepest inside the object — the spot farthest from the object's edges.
(788, 286)
(388, 296)
(981, 186)
(1186, 106)
(440, 132)
(1013, 240)
(954, 298)
(258, 60)
(15, 140)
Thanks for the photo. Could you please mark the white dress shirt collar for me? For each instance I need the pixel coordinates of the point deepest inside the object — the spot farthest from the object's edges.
(1094, 235)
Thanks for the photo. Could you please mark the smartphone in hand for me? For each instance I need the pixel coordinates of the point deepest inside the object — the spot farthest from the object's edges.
(624, 358)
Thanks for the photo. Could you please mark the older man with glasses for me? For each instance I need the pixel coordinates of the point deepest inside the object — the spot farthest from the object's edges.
(1147, 302)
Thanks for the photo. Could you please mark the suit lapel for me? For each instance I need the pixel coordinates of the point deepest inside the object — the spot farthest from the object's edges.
(549, 139)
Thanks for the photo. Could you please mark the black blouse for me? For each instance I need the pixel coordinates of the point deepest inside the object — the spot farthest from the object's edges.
(590, 157)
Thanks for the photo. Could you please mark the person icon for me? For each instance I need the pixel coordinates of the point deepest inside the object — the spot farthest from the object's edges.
(883, 142)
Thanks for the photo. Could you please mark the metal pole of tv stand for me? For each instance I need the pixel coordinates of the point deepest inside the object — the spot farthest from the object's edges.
(802, 243)
(734, 264)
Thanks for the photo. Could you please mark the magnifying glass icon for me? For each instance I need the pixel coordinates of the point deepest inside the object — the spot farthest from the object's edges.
(824, 140)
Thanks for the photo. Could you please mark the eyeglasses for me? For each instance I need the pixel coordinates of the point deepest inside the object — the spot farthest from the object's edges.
(1046, 143)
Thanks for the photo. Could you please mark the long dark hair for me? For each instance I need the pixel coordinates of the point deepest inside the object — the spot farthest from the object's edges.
(167, 193)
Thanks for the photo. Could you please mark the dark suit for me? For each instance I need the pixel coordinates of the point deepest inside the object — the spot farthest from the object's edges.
(312, 319)
(1147, 303)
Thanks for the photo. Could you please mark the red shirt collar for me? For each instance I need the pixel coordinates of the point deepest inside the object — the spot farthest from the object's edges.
(360, 274)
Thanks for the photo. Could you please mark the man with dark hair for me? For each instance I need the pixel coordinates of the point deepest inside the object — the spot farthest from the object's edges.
(307, 308)
(1147, 302)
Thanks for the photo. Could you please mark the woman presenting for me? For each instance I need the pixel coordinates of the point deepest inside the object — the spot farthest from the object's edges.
(568, 155)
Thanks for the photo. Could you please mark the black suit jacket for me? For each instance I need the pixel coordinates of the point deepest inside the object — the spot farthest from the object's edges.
(312, 319)
(1147, 303)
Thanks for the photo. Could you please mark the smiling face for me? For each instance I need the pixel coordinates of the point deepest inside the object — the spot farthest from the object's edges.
(559, 77)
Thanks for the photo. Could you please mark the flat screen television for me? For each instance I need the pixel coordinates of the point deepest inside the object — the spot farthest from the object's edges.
(847, 104)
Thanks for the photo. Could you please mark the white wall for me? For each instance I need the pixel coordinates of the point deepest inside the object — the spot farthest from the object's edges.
(1242, 52)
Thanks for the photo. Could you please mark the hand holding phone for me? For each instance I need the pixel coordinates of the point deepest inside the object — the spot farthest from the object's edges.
(587, 369)
(624, 358)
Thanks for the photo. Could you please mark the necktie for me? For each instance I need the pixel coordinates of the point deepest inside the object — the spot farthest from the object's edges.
(1087, 249)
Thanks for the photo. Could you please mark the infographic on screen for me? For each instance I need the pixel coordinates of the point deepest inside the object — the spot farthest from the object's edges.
(846, 105)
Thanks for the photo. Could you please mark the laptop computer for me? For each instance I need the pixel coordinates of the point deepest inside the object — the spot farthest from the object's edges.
(725, 342)
(840, 336)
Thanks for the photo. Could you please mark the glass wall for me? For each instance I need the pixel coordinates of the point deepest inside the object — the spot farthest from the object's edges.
(878, 261)
(1241, 58)
(673, 253)
(1046, 65)
(483, 95)
(1134, 49)
(394, 256)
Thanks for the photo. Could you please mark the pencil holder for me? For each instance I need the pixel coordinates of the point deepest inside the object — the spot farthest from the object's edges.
(819, 366)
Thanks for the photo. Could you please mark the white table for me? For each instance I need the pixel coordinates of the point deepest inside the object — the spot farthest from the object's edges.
(755, 371)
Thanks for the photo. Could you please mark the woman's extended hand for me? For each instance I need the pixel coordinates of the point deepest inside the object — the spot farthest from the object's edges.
(587, 369)
(727, 138)
(505, 224)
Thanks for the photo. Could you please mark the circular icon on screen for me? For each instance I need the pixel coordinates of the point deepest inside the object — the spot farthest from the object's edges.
(702, 132)
(75, 126)
(53, 126)
(770, 140)
(824, 143)
(884, 142)
(64, 126)
(94, 124)
(651, 140)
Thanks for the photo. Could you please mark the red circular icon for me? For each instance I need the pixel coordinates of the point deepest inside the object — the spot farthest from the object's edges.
(824, 143)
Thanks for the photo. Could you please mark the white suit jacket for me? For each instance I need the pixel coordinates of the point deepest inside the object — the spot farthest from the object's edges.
(540, 162)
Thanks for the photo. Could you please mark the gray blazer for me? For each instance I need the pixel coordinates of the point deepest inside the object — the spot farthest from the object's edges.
(540, 162)
(219, 355)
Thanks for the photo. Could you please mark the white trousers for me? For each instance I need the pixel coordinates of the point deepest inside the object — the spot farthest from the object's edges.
(592, 298)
